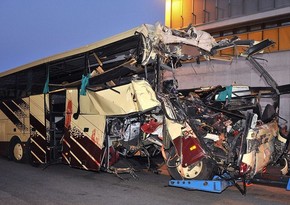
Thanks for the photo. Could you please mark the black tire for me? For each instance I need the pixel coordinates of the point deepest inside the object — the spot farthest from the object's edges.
(201, 170)
(16, 150)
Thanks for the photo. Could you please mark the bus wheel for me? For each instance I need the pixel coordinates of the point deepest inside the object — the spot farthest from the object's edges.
(200, 170)
(16, 150)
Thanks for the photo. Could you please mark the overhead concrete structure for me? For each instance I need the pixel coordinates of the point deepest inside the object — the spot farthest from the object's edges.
(257, 20)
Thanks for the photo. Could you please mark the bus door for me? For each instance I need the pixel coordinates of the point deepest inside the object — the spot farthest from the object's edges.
(56, 124)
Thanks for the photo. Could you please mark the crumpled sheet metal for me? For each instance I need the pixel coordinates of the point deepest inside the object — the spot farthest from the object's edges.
(157, 35)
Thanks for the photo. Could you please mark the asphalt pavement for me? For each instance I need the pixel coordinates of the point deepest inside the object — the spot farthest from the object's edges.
(23, 184)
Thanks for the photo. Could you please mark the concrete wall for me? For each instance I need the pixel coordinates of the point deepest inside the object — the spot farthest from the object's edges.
(239, 71)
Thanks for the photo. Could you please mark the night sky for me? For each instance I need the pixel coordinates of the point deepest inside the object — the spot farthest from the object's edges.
(35, 29)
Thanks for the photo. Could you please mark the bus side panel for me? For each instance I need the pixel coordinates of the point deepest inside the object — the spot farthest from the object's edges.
(84, 134)
(81, 151)
(14, 122)
(39, 141)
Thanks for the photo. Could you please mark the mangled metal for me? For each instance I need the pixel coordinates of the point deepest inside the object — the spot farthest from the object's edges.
(118, 105)
(168, 42)
(198, 135)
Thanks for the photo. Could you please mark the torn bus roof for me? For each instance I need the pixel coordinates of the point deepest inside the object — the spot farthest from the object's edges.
(155, 34)
(122, 55)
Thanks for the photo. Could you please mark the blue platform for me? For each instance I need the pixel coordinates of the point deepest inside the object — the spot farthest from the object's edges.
(216, 185)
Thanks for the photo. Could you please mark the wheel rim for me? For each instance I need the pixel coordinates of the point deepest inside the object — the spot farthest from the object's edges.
(191, 171)
(18, 151)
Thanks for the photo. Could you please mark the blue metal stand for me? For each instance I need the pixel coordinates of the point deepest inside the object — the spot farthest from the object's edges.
(288, 185)
(216, 185)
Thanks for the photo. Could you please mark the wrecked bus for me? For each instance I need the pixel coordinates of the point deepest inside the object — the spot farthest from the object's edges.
(91, 106)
